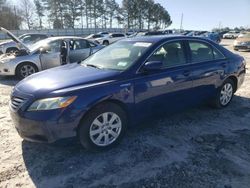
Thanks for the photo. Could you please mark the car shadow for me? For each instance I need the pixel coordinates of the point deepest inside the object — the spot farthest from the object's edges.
(8, 80)
(153, 144)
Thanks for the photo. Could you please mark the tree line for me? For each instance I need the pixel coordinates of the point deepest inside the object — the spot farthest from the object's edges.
(57, 14)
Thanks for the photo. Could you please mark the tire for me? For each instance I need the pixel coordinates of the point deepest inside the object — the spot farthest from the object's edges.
(25, 69)
(225, 94)
(95, 135)
(105, 43)
(12, 50)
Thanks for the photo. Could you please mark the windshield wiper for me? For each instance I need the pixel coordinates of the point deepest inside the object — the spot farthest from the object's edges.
(91, 65)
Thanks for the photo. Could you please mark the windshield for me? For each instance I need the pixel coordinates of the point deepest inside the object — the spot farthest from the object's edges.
(118, 56)
(39, 44)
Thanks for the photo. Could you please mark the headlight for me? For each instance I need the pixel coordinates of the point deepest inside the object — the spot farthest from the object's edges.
(51, 103)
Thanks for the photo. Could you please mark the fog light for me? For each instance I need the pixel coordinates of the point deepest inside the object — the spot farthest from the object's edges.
(6, 70)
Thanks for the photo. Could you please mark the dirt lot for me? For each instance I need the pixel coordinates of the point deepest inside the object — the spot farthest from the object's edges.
(200, 147)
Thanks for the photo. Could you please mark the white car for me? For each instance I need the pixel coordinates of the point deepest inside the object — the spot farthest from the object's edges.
(111, 38)
(231, 35)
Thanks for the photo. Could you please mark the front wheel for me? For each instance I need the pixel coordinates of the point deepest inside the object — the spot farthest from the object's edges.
(103, 127)
(225, 94)
(25, 69)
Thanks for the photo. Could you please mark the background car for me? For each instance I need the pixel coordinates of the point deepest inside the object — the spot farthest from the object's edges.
(28, 39)
(111, 38)
(242, 42)
(104, 33)
(231, 35)
(122, 84)
(94, 37)
(45, 54)
(212, 36)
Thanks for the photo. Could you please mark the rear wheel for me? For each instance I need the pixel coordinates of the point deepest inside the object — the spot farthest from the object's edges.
(25, 69)
(103, 127)
(225, 94)
(106, 43)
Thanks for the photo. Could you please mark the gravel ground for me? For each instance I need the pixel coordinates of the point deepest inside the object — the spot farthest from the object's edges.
(200, 147)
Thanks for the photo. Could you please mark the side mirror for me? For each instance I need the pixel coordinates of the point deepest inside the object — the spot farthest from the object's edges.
(152, 66)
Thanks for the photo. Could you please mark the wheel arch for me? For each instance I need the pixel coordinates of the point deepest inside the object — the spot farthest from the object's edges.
(23, 62)
(102, 102)
(235, 81)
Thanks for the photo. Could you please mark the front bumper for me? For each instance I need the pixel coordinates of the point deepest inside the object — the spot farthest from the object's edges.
(6, 69)
(43, 126)
(42, 131)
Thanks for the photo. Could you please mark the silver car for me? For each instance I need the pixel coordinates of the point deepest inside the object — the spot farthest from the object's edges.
(45, 54)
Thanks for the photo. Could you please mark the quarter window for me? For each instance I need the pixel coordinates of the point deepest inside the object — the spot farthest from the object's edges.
(170, 54)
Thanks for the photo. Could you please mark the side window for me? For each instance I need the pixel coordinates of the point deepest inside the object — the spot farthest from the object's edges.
(200, 52)
(54, 46)
(170, 54)
(79, 44)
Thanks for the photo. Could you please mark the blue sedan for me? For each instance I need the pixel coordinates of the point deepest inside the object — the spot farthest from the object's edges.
(122, 84)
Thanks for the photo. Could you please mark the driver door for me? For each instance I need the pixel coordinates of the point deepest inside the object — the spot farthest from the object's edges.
(51, 55)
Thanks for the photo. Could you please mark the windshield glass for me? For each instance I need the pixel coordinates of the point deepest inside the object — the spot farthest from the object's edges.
(118, 56)
(39, 44)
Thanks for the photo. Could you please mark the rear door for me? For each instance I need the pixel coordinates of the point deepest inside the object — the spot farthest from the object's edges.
(208, 67)
(51, 57)
(79, 50)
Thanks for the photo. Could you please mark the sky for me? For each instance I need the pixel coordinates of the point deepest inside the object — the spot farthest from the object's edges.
(207, 14)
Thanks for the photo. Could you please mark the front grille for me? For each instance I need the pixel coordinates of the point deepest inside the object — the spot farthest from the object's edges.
(16, 103)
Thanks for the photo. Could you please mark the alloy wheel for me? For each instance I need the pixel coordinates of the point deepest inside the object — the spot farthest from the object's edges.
(105, 129)
(226, 94)
(27, 70)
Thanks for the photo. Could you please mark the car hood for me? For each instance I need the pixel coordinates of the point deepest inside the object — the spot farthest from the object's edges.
(64, 78)
(15, 39)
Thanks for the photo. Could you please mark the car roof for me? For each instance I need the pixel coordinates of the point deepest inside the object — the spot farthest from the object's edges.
(64, 37)
(34, 34)
(158, 38)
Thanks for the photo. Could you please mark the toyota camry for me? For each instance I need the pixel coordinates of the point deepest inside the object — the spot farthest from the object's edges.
(122, 84)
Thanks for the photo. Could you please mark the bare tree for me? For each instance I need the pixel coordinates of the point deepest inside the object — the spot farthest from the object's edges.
(27, 7)
(39, 11)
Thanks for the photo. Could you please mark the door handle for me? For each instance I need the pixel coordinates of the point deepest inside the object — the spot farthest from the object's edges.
(187, 73)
